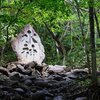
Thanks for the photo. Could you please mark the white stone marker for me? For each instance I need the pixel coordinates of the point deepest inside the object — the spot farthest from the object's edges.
(28, 47)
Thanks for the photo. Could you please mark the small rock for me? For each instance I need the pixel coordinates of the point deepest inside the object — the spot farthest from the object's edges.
(58, 77)
(47, 98)
(56, 68)
(26, 77)
(15, 76)
(42, 83)
(4, 71)
(3, 77)
(77, 74)
(21, 70)
(58, 98)
(11, 67)
(81, 98)
(28, 82)
(40, 95)
(19, 90)
(37, 74)
(5, 88)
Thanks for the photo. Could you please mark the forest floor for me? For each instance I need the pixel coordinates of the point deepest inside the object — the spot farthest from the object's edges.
(27, 82)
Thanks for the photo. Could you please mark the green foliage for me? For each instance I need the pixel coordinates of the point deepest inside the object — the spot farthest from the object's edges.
(61, 16)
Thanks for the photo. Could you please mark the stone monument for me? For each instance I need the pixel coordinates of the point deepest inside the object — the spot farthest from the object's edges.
(28, 47)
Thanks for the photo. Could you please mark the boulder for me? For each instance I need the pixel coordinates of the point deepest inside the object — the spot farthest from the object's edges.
(56, 68)
(28, 47)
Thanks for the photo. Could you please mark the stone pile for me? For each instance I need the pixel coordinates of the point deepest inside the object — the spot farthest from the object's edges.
(28, 82)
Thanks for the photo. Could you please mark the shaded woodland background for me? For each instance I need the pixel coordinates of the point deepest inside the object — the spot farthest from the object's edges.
(63, 26)
(69, 31)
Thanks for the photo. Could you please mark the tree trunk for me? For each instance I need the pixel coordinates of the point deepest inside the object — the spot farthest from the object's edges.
(58, 43)
(97, 23)
(92, 42)
(83, 37)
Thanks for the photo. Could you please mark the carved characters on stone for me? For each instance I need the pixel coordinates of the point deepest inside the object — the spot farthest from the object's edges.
(28, 46)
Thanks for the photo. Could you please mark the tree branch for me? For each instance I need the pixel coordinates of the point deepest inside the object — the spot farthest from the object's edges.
(12, 21)
(60, 47)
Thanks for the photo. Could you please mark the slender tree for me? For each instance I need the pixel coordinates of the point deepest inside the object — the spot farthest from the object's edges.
(97, 23)
(83, 36)
(59, 45)
(92, 42)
